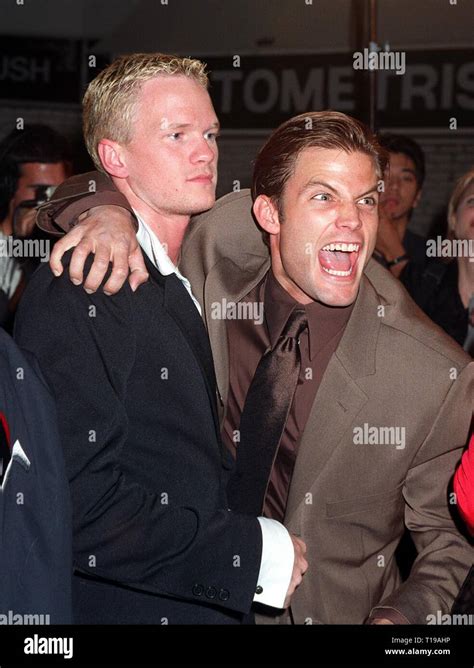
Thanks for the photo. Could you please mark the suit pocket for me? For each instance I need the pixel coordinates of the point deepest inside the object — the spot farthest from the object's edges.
(360, 504)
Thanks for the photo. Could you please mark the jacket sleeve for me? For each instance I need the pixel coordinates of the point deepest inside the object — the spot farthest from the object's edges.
(444, 554)
(75, 196)
(85, 345)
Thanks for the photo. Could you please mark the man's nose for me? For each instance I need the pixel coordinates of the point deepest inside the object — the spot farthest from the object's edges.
(203, 151)
(393, 184)
(349, 217)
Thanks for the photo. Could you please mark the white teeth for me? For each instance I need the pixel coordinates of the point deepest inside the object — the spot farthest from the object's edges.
(348, 248)
(334, 272)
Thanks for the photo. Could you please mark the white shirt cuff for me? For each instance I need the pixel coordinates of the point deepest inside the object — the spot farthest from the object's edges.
(276, 566)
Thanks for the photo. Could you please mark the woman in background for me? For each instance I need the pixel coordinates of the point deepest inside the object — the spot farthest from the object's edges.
(445, 290)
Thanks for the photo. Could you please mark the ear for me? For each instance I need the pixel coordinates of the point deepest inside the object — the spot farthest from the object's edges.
(266, 214)
(112, 158)
(417, 199)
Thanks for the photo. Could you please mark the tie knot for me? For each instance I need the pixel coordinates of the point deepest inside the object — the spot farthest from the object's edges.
(296, 324)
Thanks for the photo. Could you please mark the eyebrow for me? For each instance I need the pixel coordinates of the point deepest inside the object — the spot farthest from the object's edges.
(313, 182)
(371, 190)
(181, 126)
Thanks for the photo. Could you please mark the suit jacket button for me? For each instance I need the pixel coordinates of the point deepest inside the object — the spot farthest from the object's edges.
(259, 590)
(198, 590)
(224, 595)
(211, 592)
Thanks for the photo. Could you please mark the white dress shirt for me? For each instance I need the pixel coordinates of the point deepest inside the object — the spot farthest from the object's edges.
(10, 270)
(276, 565)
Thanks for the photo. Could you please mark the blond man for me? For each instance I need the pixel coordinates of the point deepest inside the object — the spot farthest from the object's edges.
(134, 381)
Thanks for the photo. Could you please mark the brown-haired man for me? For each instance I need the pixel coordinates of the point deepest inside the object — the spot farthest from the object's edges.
(382, 402)
(133, 377)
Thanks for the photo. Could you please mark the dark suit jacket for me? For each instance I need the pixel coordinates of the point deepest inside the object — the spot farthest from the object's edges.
(134, 384)
(35, 505)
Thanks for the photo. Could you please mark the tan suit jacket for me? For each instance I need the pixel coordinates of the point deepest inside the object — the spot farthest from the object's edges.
(349, 502)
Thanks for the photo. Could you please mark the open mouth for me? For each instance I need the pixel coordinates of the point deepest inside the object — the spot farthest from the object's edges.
(339, 259)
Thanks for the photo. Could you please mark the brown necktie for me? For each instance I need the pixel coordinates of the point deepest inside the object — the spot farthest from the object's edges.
(264, 416)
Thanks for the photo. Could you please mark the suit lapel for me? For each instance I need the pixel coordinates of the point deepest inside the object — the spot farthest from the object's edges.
(232, 281)
(339, 397)
(180, 307)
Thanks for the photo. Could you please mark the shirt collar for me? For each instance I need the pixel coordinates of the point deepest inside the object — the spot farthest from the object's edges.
(156, 253)
(155, 250)
(324, 322)
(152, 246)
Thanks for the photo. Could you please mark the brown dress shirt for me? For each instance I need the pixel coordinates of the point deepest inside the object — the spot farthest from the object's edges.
(248, 340)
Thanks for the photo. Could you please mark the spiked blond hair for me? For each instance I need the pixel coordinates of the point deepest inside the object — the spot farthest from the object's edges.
(110, 99)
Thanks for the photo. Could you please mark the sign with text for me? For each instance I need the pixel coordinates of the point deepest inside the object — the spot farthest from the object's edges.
(46, 69)
(414, 88)
(263, 91)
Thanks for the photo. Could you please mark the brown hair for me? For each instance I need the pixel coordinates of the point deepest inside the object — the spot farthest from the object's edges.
(322, 129)
(110, 99)
(462, 184)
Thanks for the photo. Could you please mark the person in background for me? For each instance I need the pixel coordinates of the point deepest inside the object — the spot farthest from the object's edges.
(11, 284)
(32, 161)
(35, 503)
(464, 486)
(444, 288)
(397, 245)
